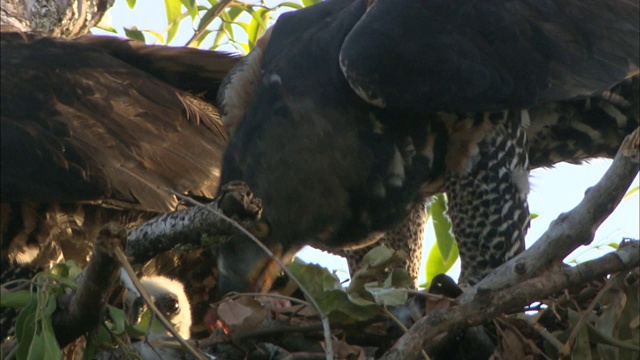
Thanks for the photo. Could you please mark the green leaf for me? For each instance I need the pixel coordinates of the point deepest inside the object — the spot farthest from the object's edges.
(310, 2)
(90, 348)
(228, 28)
(634, 190)
(233, 12)
(105, 24)
(258, 16)
(289, 5)
(326, 289)
(257, 26)
(98, 340)
(175, 25)
(51, 306)
(205, 18)
(74, 269)
(60, 269)
(266, 17)
(318, 278)
(118, 319)
(131, 4)
(378, 256)
(134, 34)
(107, 28)
(244, 48)
(445, 252)
(18, 298)
(437, 264)
(343, 308)
(133, 331)
(34, 330)
(26, 328)
(533, 216)
(198, 41)
(375, 264)
(65, 281)
(174, 10)
(103, 336)
(220, 36)
(36, 347)
(192, 8)
(365, 295)
(227, 24)
(388, 296)
(159, 37)
(144, 321)
(357, 299)
(442, 226)
(50, 344)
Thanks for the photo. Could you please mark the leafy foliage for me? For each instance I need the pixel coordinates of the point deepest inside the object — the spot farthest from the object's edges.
(599, 321)
(214, 23)
(366, 296)
(34, 327)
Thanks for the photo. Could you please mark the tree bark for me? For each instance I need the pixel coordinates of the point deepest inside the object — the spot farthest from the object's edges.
(63, 18)
(83, 312)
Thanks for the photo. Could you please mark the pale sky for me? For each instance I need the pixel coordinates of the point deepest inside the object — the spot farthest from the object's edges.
(553, 191)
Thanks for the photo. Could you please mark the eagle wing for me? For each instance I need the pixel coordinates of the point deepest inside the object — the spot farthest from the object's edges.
(81, 124)
(464, 55)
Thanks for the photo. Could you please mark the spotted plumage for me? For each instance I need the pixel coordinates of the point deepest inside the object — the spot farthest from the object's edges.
(488, 193)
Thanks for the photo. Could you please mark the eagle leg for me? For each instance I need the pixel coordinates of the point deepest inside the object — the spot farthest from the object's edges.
(487, 185)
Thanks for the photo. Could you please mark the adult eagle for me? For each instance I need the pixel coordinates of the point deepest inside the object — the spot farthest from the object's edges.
(363, 107)
(95, 130)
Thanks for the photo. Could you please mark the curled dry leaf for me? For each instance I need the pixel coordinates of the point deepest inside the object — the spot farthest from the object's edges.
(241, 315)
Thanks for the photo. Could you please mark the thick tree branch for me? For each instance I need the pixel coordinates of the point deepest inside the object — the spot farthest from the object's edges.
(192, 225)
(489, 304)
(65, 18)
(83, 312)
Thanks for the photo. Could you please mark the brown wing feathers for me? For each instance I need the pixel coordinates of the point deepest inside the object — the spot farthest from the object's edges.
(94, 130)
(118, 126)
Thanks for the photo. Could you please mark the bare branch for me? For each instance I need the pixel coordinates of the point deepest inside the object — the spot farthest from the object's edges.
(84, 310)
(487, 305)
